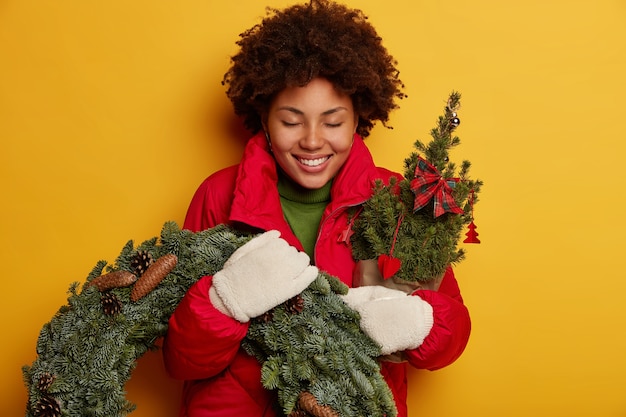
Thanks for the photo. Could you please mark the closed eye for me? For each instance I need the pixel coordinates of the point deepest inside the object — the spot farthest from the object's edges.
(289, 124)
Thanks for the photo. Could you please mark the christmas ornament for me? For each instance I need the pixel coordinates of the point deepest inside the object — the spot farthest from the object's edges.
(428, 185)
(388, 265)
(472, 235)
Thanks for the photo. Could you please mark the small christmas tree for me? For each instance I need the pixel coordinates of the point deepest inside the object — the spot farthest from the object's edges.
(412, 226)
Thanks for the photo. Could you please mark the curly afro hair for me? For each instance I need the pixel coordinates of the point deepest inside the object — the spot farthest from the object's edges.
(292, 46)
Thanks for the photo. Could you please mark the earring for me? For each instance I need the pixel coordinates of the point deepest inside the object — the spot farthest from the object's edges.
(269, 142)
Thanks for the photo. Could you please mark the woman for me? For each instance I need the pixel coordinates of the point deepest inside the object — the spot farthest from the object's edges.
(309, 81)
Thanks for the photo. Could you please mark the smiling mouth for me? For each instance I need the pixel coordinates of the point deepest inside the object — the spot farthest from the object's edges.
(313, 162)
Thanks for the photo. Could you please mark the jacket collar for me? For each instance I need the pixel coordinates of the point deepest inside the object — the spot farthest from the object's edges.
(256, 201)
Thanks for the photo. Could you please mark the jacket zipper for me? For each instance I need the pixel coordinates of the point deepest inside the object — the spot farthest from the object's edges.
(333, 213)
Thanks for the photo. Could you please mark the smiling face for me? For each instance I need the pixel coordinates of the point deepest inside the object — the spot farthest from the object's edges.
(311, 130)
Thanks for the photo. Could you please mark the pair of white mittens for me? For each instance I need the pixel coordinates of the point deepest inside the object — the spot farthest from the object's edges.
(267, 271)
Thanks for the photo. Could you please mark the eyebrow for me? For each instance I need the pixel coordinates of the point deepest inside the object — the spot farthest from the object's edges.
(300, 112)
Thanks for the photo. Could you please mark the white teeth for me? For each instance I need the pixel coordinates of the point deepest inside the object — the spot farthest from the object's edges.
(313, 162)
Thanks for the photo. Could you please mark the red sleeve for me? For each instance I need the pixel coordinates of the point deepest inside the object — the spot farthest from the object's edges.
(451, 328)
(201, 341)
(211, 203)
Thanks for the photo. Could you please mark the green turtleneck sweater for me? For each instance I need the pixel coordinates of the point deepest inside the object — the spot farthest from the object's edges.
(303, 209)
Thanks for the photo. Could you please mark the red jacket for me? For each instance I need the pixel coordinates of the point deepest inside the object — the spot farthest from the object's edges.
(202, 345)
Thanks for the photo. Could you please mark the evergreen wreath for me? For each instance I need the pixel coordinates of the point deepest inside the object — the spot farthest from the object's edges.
(312, 350)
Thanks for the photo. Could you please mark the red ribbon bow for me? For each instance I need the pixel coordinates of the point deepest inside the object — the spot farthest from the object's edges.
(429, 184)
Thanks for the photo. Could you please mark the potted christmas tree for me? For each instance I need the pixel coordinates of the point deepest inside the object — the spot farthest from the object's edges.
(408, 232)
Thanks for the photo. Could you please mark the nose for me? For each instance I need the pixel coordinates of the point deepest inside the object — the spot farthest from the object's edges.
(312, 139)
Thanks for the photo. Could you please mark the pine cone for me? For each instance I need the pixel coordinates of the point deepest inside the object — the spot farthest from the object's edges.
(45, 381)
(141, 262)
(266, 317)
(115, 279)
(298, 413)
(153, 276)
(308, 403)
(47, 406)
(111, 305)
(295, 305)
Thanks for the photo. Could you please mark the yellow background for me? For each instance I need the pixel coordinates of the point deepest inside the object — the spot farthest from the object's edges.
(112, 112)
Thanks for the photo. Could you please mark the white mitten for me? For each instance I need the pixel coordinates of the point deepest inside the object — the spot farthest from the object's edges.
(357, 296)
(393, 319)
(260, 275)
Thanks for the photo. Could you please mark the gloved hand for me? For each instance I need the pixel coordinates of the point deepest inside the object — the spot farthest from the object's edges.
(393, 319)
(260, 275)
